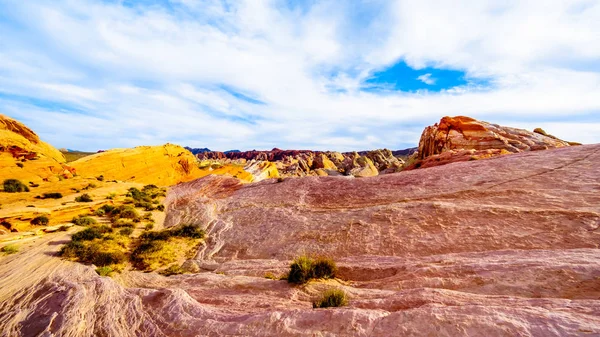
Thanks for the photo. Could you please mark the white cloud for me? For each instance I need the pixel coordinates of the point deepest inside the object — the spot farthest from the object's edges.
(427, 79)
(150, 74)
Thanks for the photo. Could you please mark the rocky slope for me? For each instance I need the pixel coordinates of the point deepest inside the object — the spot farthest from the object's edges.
(506, 246)
(161, 165)
(460, 138)
(23, 155)
(300, 163)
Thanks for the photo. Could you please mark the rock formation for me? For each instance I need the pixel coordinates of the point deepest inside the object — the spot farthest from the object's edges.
(300, 163)
(461, 138)
(499, 247)
(24, 156)
(161, 165)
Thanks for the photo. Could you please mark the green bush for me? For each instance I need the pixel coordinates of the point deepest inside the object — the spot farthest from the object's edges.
(301, 270)
(332, 298)
(188, 231)
(53, 195)
(127, 231)
(14, 185)
(304, 268)
(9, 249)
(41, 220)
(104, 271)
(107, 209)
(172, 270)
(324, 268)
(84, 198)
(128, 212)
(91, 233)
(149, 227)
(107, 258)
(63, 228)
(83, 220)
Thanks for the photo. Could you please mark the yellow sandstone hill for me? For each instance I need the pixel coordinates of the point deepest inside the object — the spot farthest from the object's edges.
(24, 156)
(161, 165)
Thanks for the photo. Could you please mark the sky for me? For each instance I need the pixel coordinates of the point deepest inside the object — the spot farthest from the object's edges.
(325, 75)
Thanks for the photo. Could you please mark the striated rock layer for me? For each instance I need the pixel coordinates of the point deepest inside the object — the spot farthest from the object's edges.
(506, 246)
(162, 165)
(24, 156)
(300, 163)
(462, 138)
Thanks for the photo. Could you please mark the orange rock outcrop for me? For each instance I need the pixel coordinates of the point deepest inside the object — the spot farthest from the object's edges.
(24, 156)
(161, 165)
(463, 138)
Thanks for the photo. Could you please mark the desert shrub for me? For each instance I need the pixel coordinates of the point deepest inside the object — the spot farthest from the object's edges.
(63, 228)
(149, 227)
(102, 258)
(5, 224)
(122, 223)
(107, 209)
(188, 231)
(111, 196)
(32, 184)
(147, 206)
(304, 268)
(9, 249)
(99, 212)
(127, 231)
(100, 178)
(160, 208)
(83, 220)
(147, 216)
(91, 233)
(41, 220)
(156, 236)
(14, 185)
(89, 186)
(172, 270)
(20, 165)
(138, 195)
(324, 268)
(53, 195)
(84, 198)
(301, 270)
(104, 271)
(331, 298)
(128, 213)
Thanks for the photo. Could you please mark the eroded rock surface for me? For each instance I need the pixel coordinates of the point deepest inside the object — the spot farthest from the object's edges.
(506, 246)
(461, 138)
(301, 163)
(24, 156)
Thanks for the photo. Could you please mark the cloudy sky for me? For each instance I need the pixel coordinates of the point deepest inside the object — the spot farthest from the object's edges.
(258, 74)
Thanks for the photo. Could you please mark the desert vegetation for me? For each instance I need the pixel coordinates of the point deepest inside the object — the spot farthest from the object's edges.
(331, 298)
(41, 220)
(14, 186)
(9, 249)
(52, 195)
(305, 268)
(115, 246)
(84, 198)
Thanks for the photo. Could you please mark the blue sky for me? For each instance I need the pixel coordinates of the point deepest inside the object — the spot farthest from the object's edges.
(258, 74)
